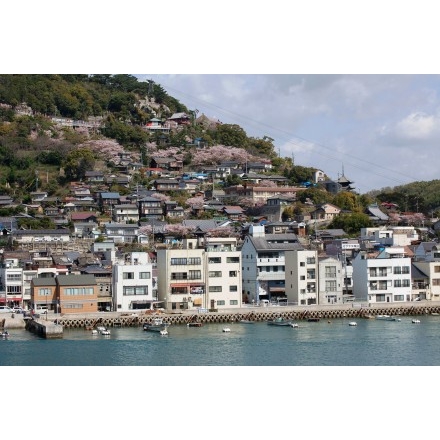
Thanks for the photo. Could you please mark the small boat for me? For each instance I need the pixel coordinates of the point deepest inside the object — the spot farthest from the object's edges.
(94, 331)
(105, 332)
(294, 325)
(416, 321)
(313, 319)
(226, 330)
(352, 324)
(164, 332)
(194, 324)
(387, 318)
(156, 326)
(100, 328)
(280, 322)
(245, 321)
(5, 334)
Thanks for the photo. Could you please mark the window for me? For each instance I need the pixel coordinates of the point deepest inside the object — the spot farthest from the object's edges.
(44, 291)
(302, 277)
(330, 286)
(144, 275)
(128, 275)
(330, 271)
(405, 283)
(135, 290)
(397, 270)
(232, 273)
(233, 289)
(380, 298)
(215, 288)
(436, 269)
(436, 281)
(232, 259)
(78, 291)
(397, 283)
(405, 269)
(179, 275)
(302, 264)
(14, 277)
(195, 274)
(311, 260)
(220, 302)
(13, 289)
(214, 260)
(215, 274)
(398, 297)
(185, 261)
(233, 302)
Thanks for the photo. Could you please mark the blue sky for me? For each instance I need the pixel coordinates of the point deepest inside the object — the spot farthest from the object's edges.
(380, 130)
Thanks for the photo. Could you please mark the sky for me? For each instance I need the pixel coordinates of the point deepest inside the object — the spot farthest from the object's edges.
(378, 130)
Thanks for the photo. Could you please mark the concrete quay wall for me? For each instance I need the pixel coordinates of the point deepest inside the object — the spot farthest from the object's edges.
(249, 313)
(45, 329)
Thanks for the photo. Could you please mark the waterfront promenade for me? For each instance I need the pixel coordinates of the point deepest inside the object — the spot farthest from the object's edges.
(255, 313)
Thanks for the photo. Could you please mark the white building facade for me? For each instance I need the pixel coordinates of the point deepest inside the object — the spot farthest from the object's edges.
(302, 277)
(382, 276)
(132, 283)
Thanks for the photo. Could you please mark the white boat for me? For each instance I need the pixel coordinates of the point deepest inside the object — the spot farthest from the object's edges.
(164, 332)
(5, 334)
(352, 324)
(105, 332)
(100, 328)
(294, 325)
(156, 325)
(416, 321)
(94, 331)
(387, 318)
(226, 330)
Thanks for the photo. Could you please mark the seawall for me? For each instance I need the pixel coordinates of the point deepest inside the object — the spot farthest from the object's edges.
(255, 314)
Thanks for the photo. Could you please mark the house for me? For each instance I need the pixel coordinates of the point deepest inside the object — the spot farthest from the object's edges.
(325, 212)
(264, 264)
(150, 208)
(77, 294)
(107, 200)
(167, 163)
(301, 268)
(125, 213)
(382, 276)
(180, 118)
(166, 185)
(84, 217)
(132, 283)
(120, 232)
(94, 177)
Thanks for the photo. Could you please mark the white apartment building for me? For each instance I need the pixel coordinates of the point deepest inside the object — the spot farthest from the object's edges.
(203, 273)
(264, 261)
(330, 281)
(302, 277)
(132, 283)
(382, 276)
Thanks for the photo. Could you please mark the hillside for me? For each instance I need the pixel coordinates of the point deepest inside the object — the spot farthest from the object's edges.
(38, 151)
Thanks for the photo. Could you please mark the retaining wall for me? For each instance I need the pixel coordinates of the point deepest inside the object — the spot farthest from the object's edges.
(212, 317)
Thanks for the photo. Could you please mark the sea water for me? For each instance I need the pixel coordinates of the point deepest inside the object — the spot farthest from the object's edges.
(324, 343)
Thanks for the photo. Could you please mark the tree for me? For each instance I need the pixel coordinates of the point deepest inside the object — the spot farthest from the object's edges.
(78, 162)
(351, 223)
(231, 135)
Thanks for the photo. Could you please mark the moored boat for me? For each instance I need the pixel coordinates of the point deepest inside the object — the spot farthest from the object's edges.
(279, 322)
(387, 318)
(156, 325)
(194, 324)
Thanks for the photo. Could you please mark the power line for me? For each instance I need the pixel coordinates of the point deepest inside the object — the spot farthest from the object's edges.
(298, 140)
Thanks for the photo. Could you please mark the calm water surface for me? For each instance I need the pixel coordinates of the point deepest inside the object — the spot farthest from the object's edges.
(370, 343)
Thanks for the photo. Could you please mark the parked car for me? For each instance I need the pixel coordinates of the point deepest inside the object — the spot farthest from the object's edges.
(18, 310)
(5, 309)
(41, 310)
